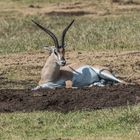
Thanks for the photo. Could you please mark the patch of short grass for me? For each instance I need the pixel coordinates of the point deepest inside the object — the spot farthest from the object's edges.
(20, 34)
(117, 122)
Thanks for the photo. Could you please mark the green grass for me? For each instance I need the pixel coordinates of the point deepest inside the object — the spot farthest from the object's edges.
(20, 34)
(120, 123)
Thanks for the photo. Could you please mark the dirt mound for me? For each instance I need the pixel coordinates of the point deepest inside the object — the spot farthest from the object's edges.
(71, 13)
(65, 100)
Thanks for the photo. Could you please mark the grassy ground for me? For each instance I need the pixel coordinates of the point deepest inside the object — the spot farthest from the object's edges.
(18, 34)
(121, 123)
(102, 27)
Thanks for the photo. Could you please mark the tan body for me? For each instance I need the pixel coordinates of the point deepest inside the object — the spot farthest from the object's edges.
(50, 71)
(53, 75)
(56, 75)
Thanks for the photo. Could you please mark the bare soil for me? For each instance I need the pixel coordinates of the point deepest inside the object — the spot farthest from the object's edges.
(65, 100)
(81, 8)
(20, 72)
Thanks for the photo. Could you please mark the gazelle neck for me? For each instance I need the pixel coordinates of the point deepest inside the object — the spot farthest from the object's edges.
(50, 71)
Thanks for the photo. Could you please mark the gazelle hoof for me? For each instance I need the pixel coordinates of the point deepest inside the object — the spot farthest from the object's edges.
(36, 88)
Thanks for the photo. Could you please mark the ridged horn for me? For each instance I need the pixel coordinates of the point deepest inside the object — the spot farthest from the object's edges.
(64, 34)
(49, 33)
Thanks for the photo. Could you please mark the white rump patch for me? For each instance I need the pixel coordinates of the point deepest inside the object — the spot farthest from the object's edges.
(84, 76)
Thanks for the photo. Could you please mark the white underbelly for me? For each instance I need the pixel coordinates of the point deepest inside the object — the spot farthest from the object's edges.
(84, 76)
(53, 85)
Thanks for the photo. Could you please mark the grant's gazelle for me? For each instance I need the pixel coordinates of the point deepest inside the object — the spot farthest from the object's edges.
(56, 75)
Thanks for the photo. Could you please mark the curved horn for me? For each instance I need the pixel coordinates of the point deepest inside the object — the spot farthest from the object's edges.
(49, 32)
(64, 33)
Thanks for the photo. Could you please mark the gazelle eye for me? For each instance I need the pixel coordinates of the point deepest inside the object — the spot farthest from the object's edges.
(55, 53)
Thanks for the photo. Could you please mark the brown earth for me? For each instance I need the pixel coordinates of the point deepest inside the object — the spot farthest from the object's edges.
(20, 72)
(79, 8)
(65, 100)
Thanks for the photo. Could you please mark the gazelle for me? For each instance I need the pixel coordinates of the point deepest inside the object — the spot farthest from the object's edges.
(56, 75)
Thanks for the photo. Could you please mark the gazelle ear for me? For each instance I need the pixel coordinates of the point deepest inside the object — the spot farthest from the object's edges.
(49, 49)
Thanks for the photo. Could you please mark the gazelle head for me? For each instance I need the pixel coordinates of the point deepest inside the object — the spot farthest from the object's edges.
(59, 50)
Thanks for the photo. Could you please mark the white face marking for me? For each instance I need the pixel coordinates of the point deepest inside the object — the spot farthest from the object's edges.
(58, 57)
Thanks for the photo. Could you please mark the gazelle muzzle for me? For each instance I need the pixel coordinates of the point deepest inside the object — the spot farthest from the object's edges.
(63, 61)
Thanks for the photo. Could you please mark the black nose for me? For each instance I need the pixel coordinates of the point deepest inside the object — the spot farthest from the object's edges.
(63, 63)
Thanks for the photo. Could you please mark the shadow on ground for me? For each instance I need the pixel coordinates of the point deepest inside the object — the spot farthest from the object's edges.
(65, 100)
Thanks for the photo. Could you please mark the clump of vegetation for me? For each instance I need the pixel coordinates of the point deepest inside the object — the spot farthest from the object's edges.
(122, 123)
(20, 34)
